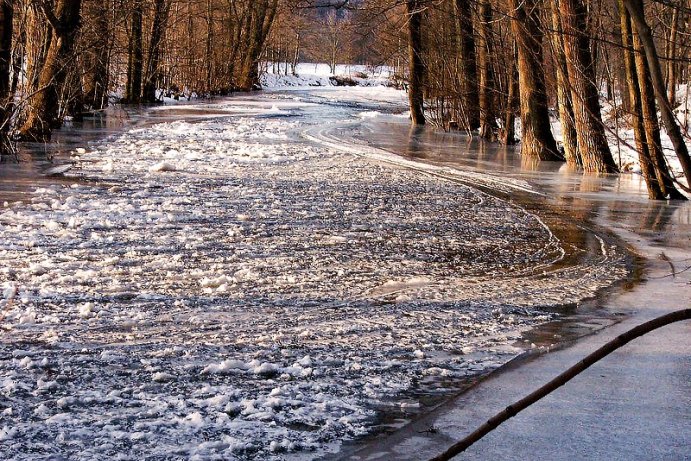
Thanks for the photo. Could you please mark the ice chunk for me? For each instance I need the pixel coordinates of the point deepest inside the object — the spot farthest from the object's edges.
(162, 167)
(161, 377)
(227, 366)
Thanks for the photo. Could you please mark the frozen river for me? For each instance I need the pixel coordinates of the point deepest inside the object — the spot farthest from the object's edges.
(263, 277)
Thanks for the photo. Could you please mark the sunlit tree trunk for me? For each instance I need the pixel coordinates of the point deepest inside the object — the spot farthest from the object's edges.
(537, 140)
(590, 132)
(153, 62)
(95, 57)
(39, 36)
(135, 61)
(209, 46)
(296, 54)
(568, 127)
(634, 95)
(672, 56)
(509, 133)
(263, 13)
(635, 10)
(44, 105)
(644, 114)
(6, 95)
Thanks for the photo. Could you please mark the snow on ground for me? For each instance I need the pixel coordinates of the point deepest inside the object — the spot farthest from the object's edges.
(621, 138)
(225, 290)
(623, 142)
(319, 75)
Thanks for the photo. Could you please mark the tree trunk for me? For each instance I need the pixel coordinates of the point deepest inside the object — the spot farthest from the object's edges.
(485, 51)
(537, 141)
(135, 62)
(416, 65)
(468, 71)
(568, 127)
(45, 103)
(209, 47)
(590, 133)
(642, 95)
(263, 13)
(96, 57)
(509, 132)
(6, 94)
(671, 58)
(39, 36)
(296, 55)
(634, 93)
(153, 71)
(635, 9)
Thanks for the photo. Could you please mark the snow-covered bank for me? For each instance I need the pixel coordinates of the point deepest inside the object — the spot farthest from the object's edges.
(621, 138)
(224, 290)
(320, 75)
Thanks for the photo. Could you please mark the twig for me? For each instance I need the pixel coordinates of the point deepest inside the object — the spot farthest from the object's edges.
(568, 375)
(664, 257)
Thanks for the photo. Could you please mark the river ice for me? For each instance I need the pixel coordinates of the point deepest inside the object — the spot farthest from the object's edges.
(227, 289)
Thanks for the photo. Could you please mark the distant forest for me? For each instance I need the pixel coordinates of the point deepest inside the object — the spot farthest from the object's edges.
(470, 65)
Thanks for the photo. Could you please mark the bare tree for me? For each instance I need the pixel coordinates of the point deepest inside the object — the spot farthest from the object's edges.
(417, 67)
(6, 96)
(135, 57)
(537, 141)
(64, 20)
(592, 144)
(153, 62)
(635, 9)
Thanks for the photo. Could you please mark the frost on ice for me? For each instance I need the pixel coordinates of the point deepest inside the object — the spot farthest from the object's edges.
(224, 290)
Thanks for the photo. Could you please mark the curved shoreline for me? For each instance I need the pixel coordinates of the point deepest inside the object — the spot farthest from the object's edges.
(257, 281)
(574, 323)
(546, 339)
(598, 308)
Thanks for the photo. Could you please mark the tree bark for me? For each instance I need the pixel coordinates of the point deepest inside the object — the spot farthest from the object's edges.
(590, 133)
(95, 58)
(416, 64)
(485, 51)
(209, 47)
(568, 127)
(635, 9)
(262, 15)
(645, 159)
(39, 36)
(509, 132)
(468, 71)
(6, 94)
(671, 57)
(45, 103)
(153, 72)
(135, 63)
(652, 144)
(537, 141)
